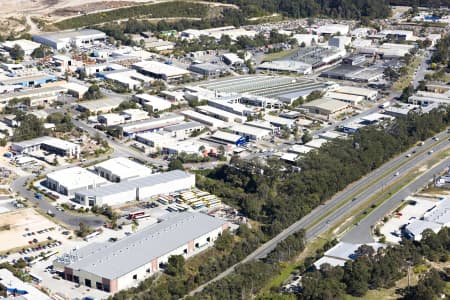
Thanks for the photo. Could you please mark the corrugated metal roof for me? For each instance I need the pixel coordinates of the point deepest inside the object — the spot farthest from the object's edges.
(135, 183)
(112, 260)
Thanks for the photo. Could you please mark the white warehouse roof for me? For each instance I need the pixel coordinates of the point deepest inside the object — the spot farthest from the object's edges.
(440, 214)
(112, 260)
(76, 177)
(124, 167)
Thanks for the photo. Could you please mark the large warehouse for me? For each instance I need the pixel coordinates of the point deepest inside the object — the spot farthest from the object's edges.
(66, 39)
(327, 107)
(159, 70)
(67, 181)
(121, 168)
(50, 144)
(141, 188)
(116, 266)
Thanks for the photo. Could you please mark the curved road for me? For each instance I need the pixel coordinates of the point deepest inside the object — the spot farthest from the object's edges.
(69, 219)
(360, 191)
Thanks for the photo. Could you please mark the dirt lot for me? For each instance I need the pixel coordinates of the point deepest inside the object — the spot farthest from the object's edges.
(20, 220)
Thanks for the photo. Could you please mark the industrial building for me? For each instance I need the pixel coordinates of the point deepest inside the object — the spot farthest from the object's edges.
(160, 70)
(415, 229)
(283, 88)
(250, 132)
(121, 168)
(286, 66)
(340, 41)
(354, 73)
(157, 103)
(134, 115)
(67, 181)
(13, 288)
(232, 59)
(402, 35)
(154, 139)
(149, 125)
(280, 122)
(208, 69)
(76, 90)
(111, 119)
(327, 107)
(46, 143)
(116, 266)
(426, 98)
(184, 130)
(221, 114)
(30, 80)
(34, 97)
(332, 29)
(434, 219)
(228, 138)
(141, 188)
(218, 32)
(368, 94)
(67, 39)
(316, 143)
(207, 120)
(26, 45)
(317, 56)
(351, 99)
(306, 39)
(343, 252)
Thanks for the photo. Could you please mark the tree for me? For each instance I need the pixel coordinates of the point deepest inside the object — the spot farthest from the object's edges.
(93, 92)
(41, 52)
(84, 230)
(17, 52)
(406, 93)
(175, 164)
(175, 265)
(306, 138)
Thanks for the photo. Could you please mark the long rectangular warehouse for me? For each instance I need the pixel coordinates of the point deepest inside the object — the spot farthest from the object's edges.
(115, 266)
(137, 189)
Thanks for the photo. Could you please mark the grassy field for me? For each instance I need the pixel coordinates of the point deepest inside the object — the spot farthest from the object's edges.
(277, 55)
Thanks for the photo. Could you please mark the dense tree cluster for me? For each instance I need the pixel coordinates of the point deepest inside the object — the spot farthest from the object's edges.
(158, 10)
(309, 8)
(442, 53)
(421, 3)
(93, 93)
(63, 122)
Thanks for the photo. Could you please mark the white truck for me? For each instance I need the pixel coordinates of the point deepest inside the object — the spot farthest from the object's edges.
(385, 105)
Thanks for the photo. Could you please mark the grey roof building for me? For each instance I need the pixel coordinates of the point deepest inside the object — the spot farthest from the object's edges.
(115, 266)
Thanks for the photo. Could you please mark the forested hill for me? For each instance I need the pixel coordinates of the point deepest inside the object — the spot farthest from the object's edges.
(422, 3)
(348, 9)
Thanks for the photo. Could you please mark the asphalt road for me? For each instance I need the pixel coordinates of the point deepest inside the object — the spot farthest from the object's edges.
(420, 74)
(360, 191)
(362, 232)
(66, 218)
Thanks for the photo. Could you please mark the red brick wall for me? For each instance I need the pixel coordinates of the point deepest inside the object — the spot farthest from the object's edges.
(191, 246)
(155, 265)
(68, 271)
(113, 286)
